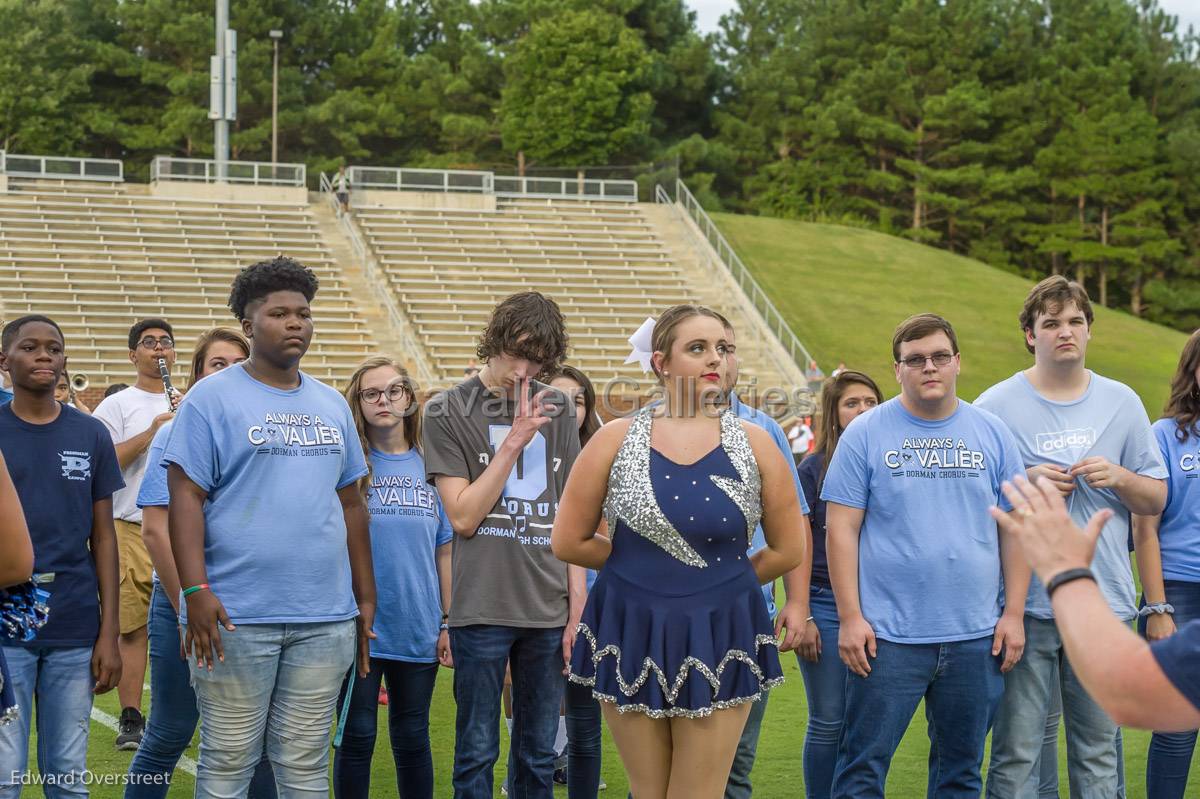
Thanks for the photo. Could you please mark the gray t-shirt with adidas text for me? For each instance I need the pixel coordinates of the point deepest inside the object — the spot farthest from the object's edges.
(1108, 420)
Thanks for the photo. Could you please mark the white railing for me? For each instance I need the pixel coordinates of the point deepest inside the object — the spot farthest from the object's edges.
(687, 204)
(405, 179)
(477, 182)
(400, 325)
(205, 170)
(59, 168)
(584, 189)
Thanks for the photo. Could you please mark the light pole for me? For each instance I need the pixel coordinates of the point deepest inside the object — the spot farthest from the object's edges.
(275, 35)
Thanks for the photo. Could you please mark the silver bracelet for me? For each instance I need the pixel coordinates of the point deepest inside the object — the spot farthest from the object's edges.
(1160, 608)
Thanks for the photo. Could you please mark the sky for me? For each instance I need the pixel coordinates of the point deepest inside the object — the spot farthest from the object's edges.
(708, 12)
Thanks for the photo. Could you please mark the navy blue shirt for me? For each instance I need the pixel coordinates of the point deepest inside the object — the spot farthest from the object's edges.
(810, 479)
(1179, 658)
(60, 469)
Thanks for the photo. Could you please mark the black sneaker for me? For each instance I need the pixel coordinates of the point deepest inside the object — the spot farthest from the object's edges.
(129, 728)
(560, 776)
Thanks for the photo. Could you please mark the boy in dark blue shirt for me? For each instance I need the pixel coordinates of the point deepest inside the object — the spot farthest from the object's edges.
(65, 470)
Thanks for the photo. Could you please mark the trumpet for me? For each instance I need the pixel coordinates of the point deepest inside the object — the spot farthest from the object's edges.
(78, 383)
(170, 390)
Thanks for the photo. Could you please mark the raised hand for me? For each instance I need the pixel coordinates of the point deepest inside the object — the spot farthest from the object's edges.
(529, 418)
(1051, 541)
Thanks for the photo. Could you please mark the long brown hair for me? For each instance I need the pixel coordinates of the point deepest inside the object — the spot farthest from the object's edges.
(591, 422)
(830, 430)
(206, 340)
(412, 414)
(1184, 403)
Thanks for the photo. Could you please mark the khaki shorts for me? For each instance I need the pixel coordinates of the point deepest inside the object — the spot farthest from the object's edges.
(136, 573)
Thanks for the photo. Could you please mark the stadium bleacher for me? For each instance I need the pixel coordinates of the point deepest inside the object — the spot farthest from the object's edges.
(96, 256)
(604, 262)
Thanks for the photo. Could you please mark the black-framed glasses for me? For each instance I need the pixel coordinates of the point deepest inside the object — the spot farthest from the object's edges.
(372, 395)
(150, 342)
(918, 361)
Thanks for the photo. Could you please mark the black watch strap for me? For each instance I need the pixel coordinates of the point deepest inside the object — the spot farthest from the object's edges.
(1064, 577)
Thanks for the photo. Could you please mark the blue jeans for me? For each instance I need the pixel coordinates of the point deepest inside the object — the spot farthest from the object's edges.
(410, 691)
(1170, 754)
(583, 742)
(480, 654)
(738, 785)
(173, 713)
(961, 685)
(278, 683)
(825, 688)
(1021, 723)
(60, 681)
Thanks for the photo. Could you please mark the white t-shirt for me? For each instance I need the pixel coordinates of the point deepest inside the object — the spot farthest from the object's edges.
(800, 435)
(126, 414)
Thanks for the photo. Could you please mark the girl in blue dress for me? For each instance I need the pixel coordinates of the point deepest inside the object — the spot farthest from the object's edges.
(675, 640)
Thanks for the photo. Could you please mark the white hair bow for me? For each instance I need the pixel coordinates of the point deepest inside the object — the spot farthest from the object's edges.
(643, 346)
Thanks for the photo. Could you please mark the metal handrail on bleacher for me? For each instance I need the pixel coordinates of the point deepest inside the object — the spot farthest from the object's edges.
(55, 167)
(206, 170)
(405, 179)
(571, 188)
(686, 203)
(400, 325)
(479, 182)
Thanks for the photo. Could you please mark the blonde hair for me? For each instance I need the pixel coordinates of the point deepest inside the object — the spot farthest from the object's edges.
(668, 322)
(412, 414)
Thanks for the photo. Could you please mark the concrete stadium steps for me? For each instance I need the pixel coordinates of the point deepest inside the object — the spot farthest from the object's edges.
(96, 257)
(609, 265)
(449, 267)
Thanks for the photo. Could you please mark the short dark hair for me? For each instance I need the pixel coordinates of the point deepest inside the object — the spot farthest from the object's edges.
(115, 388)
(531, 316)
(920, 326)
(278, 274)
(135, 332)
(13, 329)
(1051, 296)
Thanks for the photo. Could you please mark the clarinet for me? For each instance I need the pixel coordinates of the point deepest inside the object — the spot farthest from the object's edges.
(165, 374)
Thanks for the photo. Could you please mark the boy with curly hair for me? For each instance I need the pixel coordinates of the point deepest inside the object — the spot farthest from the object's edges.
(269, 534)
(499, 446)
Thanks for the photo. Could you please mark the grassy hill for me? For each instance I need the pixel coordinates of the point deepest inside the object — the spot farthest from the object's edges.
(843, 290)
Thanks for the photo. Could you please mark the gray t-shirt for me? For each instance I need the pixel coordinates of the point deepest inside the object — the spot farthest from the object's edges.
(505, 574)
(1108, 420)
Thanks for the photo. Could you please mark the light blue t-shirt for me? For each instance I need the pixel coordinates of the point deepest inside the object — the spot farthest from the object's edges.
(272, 462)
(1107, 420)
(408, 523)
(755, 416)
(1179, 530)
(928, 552)
(153, 491)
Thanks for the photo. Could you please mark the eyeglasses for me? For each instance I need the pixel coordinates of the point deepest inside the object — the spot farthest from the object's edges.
(372, 395)
(149, 342)
(918, 361)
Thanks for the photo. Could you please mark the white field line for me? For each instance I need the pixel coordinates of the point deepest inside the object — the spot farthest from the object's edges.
(100, 717)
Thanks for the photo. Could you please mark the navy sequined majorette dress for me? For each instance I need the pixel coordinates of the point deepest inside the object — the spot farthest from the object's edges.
(676, 623)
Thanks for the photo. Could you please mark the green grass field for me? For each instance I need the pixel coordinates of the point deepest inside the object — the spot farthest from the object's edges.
(843, 290)
(777, 772)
